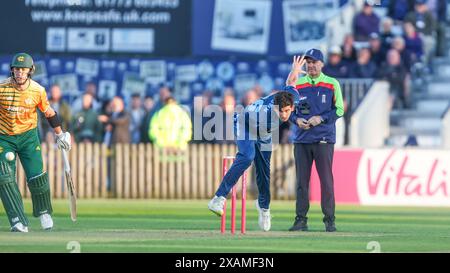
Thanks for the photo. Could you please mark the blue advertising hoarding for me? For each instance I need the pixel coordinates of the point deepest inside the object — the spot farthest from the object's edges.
(157, 28)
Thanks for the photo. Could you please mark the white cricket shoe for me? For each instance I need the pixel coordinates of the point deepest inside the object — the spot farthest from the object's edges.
(46, 221)
(19, 227)
(264, 217)
(216, 205)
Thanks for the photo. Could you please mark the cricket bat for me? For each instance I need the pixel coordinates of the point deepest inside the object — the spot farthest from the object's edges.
(70, 187)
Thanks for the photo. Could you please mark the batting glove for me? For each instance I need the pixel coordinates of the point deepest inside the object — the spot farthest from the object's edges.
(64, 141)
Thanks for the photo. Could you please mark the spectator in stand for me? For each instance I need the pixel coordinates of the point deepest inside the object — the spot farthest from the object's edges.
(348, 50)
(397, 9)
(77, 104)
(60, 107)
(137, 117)
(165, 92)
(229, 100)
(228, 106)
(259, 90)
(405, 56)
(364, 66)
(149, 104)
(413, 42)
(439, 10)
(85, 124)
(395, 73)
(117, 123)
(378, 56)
(386, 34)
(201, 114)
(250, 97)
(425, 24)
(335, 67)
(365, 22)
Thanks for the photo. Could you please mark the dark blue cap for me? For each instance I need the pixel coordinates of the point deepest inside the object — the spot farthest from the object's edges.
(421, 2)
(314, 54)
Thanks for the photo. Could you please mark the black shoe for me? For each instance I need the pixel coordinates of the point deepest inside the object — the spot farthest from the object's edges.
(300, 224)
(330, 226)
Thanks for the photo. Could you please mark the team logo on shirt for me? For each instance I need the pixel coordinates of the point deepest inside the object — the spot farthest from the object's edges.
(28, 101)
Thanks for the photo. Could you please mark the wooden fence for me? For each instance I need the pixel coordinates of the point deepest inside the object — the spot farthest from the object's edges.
(144, 171)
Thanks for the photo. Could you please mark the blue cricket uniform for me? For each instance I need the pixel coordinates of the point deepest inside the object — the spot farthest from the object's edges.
(253, 129)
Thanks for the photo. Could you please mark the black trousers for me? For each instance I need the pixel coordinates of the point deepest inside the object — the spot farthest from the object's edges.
(322, 154)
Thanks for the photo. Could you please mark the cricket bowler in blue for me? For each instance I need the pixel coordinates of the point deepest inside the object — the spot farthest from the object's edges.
(254, 128)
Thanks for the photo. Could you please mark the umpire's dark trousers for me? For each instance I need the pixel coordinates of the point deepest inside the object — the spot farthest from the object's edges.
(322, 154)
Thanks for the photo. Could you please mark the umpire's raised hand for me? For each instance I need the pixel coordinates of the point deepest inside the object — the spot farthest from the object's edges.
(297, 69)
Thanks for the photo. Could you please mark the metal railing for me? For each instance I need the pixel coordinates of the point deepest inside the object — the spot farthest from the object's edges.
(353, 92)
(445, 131)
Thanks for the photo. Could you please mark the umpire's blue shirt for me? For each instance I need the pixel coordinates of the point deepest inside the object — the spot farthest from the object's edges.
(322, 97)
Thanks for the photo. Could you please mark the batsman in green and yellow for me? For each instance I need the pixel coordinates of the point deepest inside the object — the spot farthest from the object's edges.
(20, 96)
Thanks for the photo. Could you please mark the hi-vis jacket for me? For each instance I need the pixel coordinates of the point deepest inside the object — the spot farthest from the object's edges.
(171, 127)
(323, 97)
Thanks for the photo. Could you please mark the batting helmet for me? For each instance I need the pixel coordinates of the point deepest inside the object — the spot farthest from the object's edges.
(22, 60)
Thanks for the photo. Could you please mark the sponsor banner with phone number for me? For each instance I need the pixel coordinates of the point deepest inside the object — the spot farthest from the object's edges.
(158, 28)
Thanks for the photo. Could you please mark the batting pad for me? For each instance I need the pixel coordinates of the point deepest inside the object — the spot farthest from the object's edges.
(10, 195)
(40, 194)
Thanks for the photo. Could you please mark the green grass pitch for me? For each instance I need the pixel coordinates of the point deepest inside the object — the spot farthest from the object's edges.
(188, 226)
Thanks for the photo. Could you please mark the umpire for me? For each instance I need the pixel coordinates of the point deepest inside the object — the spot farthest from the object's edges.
(320, 106)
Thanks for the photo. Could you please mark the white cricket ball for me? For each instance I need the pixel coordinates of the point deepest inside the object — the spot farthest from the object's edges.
(10, 156)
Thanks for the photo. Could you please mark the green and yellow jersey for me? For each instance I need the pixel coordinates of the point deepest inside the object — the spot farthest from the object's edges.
(18, 112)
